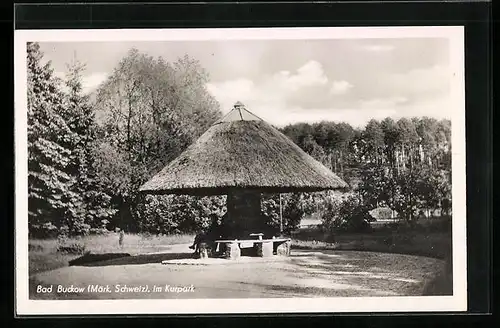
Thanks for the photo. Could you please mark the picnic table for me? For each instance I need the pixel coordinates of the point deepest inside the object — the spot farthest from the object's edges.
(231, 248)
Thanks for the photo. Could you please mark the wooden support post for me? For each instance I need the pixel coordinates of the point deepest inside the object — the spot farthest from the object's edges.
(281, 216)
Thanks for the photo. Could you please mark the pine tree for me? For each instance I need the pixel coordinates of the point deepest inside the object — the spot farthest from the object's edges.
(94, 203)
(49, 141)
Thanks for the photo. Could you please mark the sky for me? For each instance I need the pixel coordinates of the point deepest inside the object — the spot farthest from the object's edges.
(289, 81)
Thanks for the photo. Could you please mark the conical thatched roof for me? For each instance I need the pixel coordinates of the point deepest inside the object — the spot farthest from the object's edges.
(242, 151)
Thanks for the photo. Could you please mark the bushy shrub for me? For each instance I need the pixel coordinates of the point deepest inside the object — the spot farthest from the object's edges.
(65, 246)
(348, 214)
(80, 229)
(63, 233)
(99, 231)
(35, 248)
(392, 226)
(74, 227)
(441, 224)
(43, 231)
(169, 214)
(330, 214)
(294, 207)
(48, 230)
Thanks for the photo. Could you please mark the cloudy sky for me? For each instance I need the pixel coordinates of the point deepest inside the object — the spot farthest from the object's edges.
(286, 81)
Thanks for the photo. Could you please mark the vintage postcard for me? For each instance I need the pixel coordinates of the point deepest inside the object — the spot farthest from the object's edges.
(267, 170)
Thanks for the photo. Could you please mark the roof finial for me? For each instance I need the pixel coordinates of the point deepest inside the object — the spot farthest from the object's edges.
(239, 113)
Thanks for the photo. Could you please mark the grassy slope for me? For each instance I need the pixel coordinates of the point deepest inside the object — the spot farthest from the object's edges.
(43, 255)
(432, 244)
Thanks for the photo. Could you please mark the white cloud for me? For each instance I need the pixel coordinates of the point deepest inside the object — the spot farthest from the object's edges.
(273, 90)
(383, 103)
(438, 107)
(340, 87)
(310, 74)
(274, 109)
(276, 97)
(59, 75)
(398, 107)
(92, 81)
(435, 79)
(229, 92)
(355, 117)
(89, 82)
(378, 109)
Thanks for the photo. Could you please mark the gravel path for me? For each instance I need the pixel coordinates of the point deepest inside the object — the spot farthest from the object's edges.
(304, 274)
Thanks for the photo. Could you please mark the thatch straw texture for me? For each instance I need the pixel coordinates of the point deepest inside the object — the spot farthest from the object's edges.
(242, 153)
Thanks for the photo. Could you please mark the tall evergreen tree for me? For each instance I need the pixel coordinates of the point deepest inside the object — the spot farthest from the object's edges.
(94, 204)
(50, 198)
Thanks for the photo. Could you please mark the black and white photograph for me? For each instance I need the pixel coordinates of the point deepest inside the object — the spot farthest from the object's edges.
(265, 170)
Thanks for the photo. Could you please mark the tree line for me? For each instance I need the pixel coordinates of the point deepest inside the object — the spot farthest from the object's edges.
(404, 165)
(89, 153)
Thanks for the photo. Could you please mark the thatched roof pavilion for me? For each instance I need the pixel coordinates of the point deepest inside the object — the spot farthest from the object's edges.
(242, 151)
(242, 156)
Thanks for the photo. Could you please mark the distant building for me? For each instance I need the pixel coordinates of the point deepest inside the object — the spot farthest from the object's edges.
(309, 223)
(383, 214)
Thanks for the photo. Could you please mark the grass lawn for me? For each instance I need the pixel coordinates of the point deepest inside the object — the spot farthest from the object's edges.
(432, 244)
(43, 254)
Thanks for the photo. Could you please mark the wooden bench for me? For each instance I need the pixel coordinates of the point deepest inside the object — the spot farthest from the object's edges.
(263, 247)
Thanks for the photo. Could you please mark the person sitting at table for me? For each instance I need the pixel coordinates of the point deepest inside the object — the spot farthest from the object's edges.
(213, 232)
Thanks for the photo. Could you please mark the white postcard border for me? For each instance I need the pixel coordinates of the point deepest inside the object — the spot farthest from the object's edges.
(457, 302)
